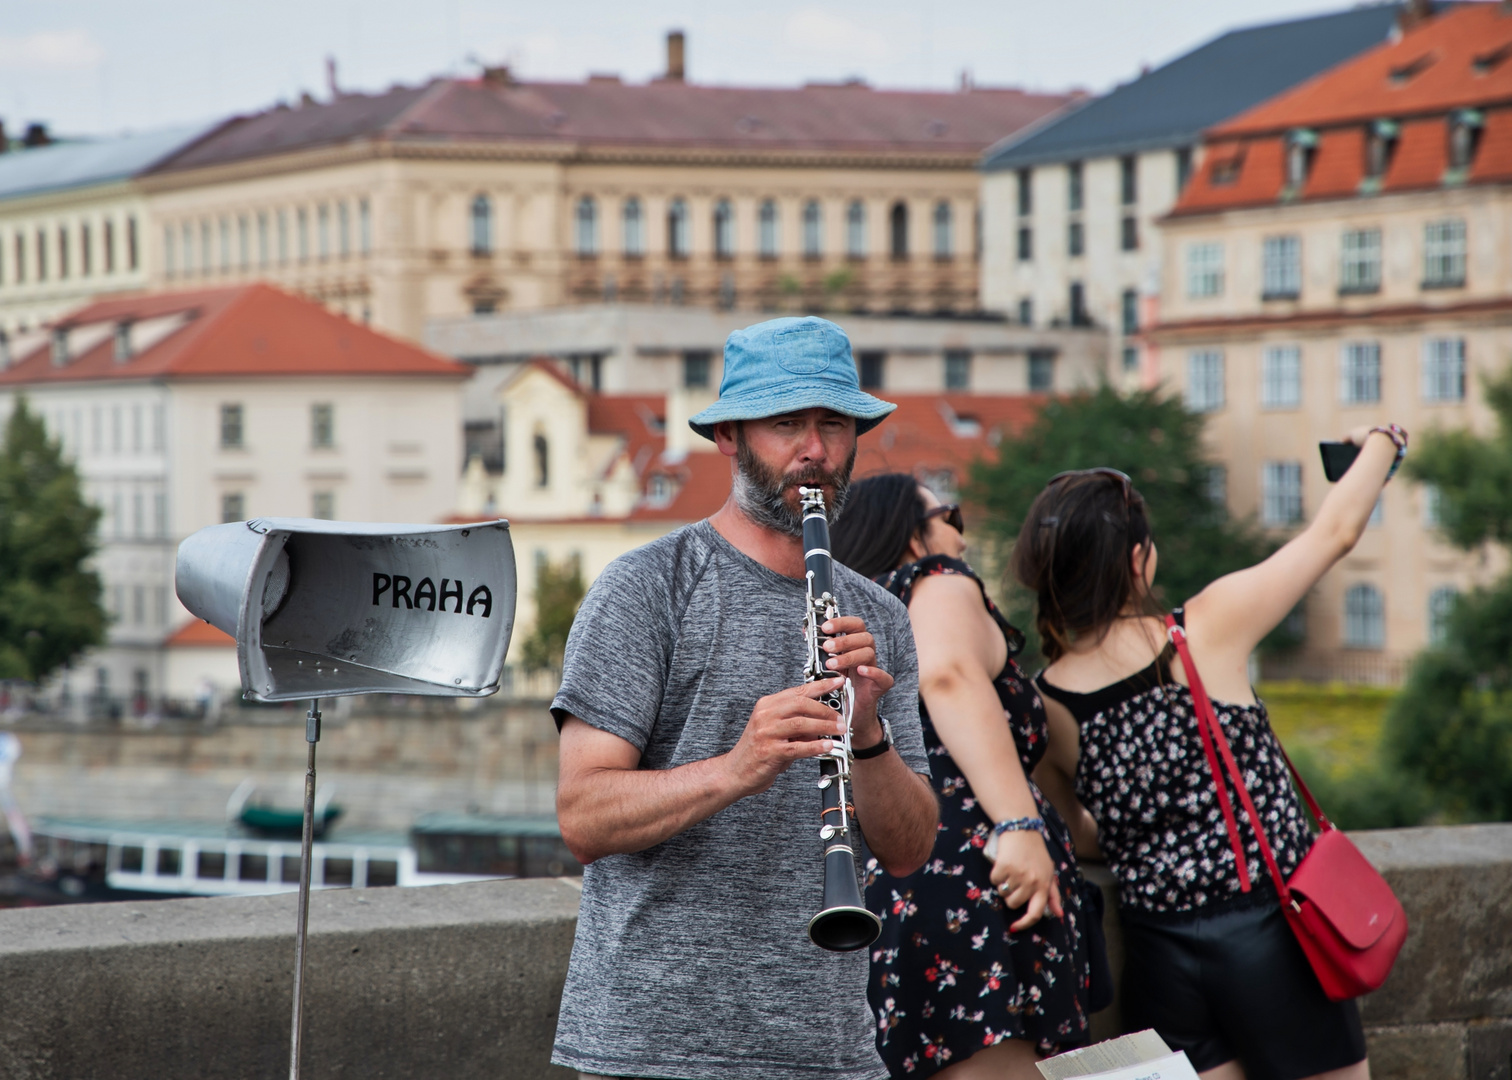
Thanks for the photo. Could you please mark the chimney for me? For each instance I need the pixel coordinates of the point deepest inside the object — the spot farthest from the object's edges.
(36, 135)
(5, 356)
(498, 75)
(123, 350)
(4, 142)
(1413, 13)
(59, 346)
(675, 68)
(331, 86)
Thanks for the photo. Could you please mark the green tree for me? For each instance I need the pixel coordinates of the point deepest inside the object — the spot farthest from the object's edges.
(49, 602)
(1159, 444)
(559, 590)
(1451, 727)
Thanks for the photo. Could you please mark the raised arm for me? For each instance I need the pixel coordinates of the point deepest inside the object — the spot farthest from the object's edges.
(1228, 618)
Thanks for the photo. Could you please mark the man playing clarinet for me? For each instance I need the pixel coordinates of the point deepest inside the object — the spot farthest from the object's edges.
(689, 787)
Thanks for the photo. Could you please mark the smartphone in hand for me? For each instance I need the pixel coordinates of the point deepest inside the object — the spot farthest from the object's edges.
(1337, 458)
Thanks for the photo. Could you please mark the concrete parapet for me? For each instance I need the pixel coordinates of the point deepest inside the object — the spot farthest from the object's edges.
(465, 980)
(449, 981)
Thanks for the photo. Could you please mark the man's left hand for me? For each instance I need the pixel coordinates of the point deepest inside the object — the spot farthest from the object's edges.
(853, 652)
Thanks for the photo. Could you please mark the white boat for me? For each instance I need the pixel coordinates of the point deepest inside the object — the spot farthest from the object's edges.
(104, 859)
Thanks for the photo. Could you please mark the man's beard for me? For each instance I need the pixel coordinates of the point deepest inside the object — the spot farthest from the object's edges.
(760, 492)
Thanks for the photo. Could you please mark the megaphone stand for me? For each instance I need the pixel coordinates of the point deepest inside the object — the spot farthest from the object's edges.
(302, 925)
(315, 608)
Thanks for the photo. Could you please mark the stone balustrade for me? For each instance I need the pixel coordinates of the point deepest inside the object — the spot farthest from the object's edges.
(464, 981)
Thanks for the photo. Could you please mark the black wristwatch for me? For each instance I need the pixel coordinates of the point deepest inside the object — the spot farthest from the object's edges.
(881, 748)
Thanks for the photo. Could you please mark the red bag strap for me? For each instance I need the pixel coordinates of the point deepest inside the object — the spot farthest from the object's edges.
(1212, 734)
(1307, 796)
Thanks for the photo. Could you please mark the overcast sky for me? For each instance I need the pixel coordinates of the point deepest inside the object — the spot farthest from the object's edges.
(102, 66)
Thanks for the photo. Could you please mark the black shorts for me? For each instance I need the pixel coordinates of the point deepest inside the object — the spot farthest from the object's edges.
(1236, 985)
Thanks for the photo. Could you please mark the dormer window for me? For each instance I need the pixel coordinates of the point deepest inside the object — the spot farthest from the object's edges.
(1301, 145)
(1405, 73)
(122, 341)
(1465, 127)
(1488, 62)
(1379, 147)
(1226, 170)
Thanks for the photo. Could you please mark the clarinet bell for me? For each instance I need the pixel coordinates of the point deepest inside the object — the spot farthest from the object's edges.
(844, 925)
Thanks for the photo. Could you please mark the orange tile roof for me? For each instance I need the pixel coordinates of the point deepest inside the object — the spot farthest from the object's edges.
(244, 331)
(1430, 69)
(199, 634)
(1460, 59)
(1422, 155)
(1337, 164)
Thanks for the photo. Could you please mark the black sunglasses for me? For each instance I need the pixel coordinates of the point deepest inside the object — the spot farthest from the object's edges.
(1121, 477)
(951, 512)
(1138, 527)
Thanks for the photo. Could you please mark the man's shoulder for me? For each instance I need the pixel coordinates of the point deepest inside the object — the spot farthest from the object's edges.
(678, 546)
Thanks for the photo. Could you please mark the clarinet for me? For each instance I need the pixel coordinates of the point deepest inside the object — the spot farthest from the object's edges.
(843, 924)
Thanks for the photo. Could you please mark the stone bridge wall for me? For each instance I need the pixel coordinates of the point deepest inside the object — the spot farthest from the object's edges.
(464, 981)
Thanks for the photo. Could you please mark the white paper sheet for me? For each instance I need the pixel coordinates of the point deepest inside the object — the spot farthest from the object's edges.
(1140, 1056)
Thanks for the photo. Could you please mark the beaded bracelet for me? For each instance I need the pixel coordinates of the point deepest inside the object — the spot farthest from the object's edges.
(1019, 824)
(1398, 436)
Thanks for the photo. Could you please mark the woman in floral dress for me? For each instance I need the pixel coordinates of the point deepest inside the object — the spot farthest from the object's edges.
(983, 963)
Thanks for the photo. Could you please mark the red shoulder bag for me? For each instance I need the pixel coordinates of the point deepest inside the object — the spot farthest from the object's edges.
(1346, 918)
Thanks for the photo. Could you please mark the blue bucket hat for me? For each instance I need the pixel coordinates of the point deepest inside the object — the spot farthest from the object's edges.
(785, 365)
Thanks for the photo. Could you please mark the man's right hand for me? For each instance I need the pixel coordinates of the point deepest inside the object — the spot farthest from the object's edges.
(784, 727)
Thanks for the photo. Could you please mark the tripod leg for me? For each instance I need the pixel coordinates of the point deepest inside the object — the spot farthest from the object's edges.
(312, 736)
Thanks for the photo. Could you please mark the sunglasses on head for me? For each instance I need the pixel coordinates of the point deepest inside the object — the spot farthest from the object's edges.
(951, 512)
(1121, 477)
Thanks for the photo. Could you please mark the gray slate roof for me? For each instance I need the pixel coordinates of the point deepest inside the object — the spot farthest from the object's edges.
(78, 164)
(1172, 105)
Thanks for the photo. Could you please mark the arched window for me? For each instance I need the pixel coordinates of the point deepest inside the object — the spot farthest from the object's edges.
(634, 228)
(767, 240)
(585, 222)
(677, 229)
(898, 220)
(1440, 603)
(542, 461)
(944, 242)
(724, 229)
(812, 248)
(1364, 618)
(855, 230)
(482, 225)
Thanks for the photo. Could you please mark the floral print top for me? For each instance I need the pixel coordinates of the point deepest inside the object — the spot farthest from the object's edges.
(948, 977)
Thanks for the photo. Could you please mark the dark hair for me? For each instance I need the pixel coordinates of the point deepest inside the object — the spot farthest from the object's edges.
(1073, 554)
(880, 516)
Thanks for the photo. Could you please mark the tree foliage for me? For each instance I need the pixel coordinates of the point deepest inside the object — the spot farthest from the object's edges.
(49, 601)
(559, 590)
(1451, 727)
(1159, 444)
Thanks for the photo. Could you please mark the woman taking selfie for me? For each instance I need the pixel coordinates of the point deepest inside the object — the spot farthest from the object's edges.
(1213, 968)
(981, 966)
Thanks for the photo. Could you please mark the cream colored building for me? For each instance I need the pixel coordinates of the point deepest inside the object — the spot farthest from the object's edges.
(1331, 267)
(1071, 208)
(73, 224)
(186, 410)
(475, 196)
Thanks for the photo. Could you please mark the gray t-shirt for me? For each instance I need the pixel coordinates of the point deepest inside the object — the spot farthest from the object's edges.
(692, 958)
